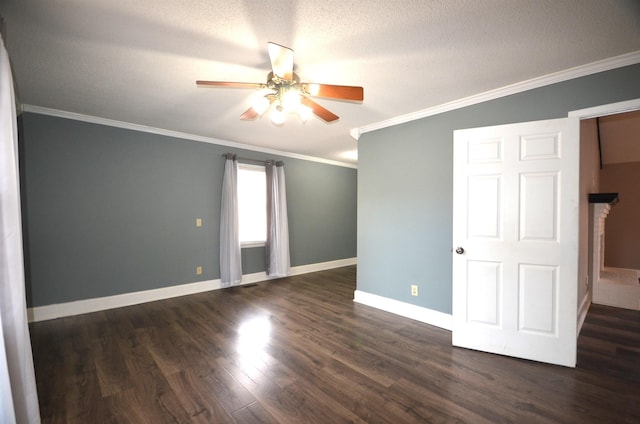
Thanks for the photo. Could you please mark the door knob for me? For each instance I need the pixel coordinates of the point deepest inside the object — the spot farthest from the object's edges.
(459, 250)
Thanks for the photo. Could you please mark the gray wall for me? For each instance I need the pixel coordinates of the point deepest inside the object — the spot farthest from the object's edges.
(405, 184)
(110, 211)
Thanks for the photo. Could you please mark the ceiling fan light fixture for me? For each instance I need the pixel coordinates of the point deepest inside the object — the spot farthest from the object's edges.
(284, 93)
(277, 116)
(290, 100)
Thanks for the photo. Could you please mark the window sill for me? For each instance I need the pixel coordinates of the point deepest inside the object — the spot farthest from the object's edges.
(249, 244)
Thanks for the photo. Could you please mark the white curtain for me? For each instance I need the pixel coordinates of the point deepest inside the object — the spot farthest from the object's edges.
(230, 259)
(18, 395)
(277, 245)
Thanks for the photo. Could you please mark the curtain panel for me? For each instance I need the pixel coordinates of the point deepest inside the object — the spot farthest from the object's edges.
(230, 259)
(277, 244)
(18, 395)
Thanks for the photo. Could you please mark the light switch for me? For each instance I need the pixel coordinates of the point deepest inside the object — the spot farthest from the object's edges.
(198, 222)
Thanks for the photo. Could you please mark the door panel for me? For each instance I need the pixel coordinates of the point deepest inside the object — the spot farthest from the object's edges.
(486, 290)
(538, 206)
(484, 198)
(516, 217)
(538, 299)
(541, 146)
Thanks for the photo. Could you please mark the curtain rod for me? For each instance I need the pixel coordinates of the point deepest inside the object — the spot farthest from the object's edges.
(264, 162)
(245, 159)
(253, 160)
(277, 163)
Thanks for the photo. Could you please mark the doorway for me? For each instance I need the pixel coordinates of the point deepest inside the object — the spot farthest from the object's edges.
(615, 230)
(592, 157)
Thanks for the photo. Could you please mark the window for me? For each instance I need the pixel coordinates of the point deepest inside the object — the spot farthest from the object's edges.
(252, 204)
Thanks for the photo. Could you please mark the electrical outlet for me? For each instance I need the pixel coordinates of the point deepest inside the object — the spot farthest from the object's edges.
(414, 290)
(198, 222)
(199, 270)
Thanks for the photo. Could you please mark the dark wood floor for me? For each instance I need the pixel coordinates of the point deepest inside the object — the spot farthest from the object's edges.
(298, 350)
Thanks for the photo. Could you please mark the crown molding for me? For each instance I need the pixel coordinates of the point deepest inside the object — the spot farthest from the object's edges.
(176, 134)
(568, 74)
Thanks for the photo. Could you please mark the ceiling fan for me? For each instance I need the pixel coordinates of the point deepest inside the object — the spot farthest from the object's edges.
(286, 93)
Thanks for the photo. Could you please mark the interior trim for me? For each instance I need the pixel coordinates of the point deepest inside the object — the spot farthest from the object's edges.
(407, 310)
(582, 311)
(61, 310)
(176, 134)
(568, 74)
(607, 109)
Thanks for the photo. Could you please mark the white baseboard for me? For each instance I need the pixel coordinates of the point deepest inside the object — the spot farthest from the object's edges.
(582, 311)
(322, 266)
(407, 310)
(60, 310)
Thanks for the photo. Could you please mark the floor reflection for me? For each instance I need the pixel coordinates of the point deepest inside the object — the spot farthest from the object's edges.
(254, 335)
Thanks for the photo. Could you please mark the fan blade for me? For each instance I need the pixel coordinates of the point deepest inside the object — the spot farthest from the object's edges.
(230, 84)
(249, 114)
(344, 92)
(319, 110)
(281, 61)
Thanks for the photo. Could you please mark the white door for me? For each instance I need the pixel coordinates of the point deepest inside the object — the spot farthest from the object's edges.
(515, 235)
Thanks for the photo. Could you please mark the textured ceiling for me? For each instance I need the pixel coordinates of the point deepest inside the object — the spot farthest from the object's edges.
(137, 62)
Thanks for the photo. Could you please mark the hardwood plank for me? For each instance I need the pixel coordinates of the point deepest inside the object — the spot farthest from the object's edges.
(48, 344)
(113, 376)
(149, 404)
(254, 414)
(173, 349)
(227, 390)
(361, 394)
(298, 349)
(83, 397)
(194, 397)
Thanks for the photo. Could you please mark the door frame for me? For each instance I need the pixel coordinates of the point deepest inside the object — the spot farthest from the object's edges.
(606, 109)
(589, 113)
